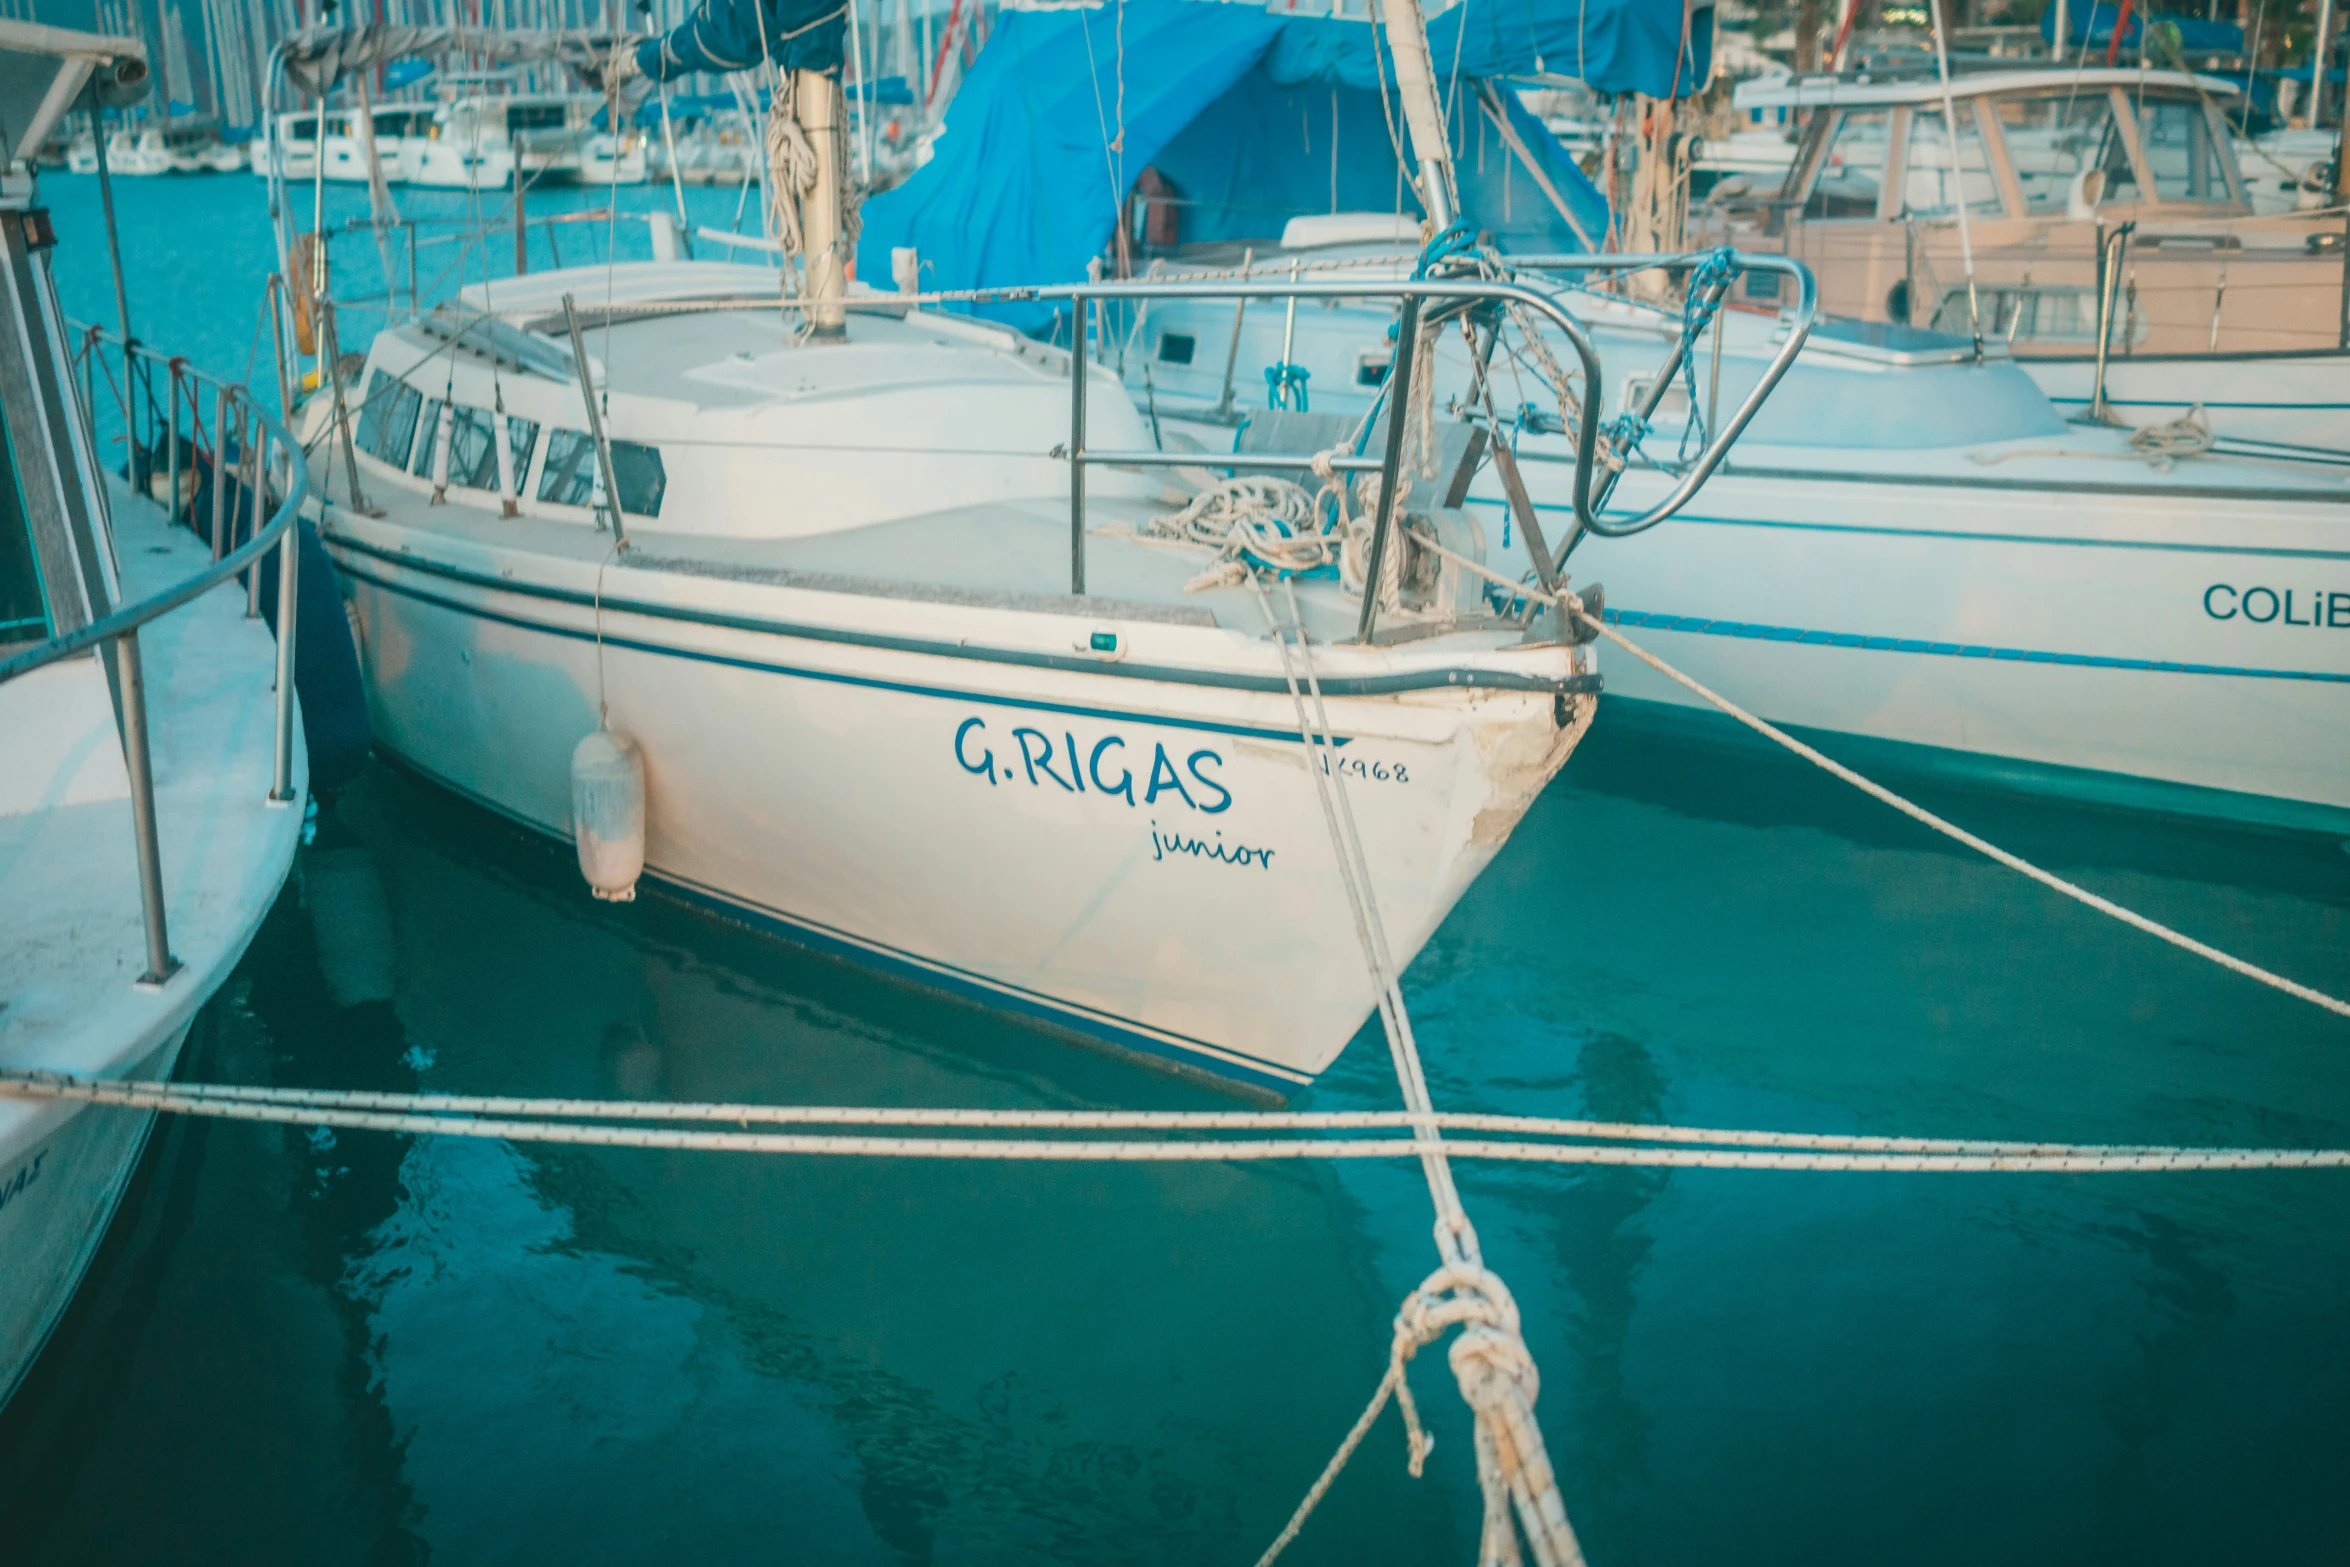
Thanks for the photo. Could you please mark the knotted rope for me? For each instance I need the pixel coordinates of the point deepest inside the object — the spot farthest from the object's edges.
(792, 166)
(793, 170)
(2189, 435)
(1490, 1359)
(1260, 521)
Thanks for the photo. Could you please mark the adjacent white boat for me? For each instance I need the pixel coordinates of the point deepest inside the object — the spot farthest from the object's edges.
(140, 840)
(718, 149)
(479, 143)
(287, 147)
(174, 147)
(1907, 547)
(606, 159)
(402, 131)
(2214, 305)
(872, 712)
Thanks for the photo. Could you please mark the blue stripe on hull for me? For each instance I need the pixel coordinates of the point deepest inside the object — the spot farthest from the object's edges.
(1755, 631)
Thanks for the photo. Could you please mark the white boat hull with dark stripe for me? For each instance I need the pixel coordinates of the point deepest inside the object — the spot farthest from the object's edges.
(1139, 860)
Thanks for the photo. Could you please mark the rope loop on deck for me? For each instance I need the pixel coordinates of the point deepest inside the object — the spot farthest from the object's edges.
(2189, 435)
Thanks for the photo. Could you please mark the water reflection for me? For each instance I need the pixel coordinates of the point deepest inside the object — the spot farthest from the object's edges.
(474, 1351)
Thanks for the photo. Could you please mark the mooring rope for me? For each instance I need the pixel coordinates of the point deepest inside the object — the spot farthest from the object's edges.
(1489, 1357)
(1916, 812)
(589, 1123)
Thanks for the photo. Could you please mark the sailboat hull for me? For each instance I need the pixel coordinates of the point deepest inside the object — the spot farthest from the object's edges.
(1135, 855)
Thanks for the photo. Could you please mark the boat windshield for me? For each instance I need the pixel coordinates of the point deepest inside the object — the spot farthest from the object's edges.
(2053, 140)
(1928, 188)
(2175, 135)
(1853, 171)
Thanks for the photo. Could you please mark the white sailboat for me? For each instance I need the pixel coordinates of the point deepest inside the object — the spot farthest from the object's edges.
(151, 789)
(879, 610)
(873, 710)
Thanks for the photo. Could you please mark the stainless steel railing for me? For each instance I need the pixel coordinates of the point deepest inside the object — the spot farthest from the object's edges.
(1416, 294)
(118, 633)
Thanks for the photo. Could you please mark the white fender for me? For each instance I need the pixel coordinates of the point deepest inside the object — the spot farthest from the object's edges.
(608, 814)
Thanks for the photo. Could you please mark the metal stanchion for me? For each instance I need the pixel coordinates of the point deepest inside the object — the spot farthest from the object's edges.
(171, 441)
(130, 681)
(289, 581)
(220, 402)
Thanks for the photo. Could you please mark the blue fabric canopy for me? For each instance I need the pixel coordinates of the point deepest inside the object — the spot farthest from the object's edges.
(736, 35)
(2093, 25)
(1612, 46)
(1251, 118)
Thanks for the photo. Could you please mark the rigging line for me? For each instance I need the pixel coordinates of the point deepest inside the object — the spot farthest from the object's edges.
(1386, 108)
(1966, 244)
(1452, 91)
(1093, 79)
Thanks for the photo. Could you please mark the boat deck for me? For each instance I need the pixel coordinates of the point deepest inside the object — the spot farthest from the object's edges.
(1002, 555)
(71, 924)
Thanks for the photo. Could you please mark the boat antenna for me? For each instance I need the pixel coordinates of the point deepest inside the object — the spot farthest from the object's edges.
(1966, 244)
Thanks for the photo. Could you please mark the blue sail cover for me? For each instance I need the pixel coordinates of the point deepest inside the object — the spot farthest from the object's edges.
(2093, 25)
(738, 35)
(1251, 117)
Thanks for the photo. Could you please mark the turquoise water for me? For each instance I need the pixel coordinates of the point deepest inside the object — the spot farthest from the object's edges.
(298, 1348)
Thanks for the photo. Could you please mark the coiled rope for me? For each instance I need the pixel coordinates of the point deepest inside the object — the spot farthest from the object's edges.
(791, 165)
(2189, 435)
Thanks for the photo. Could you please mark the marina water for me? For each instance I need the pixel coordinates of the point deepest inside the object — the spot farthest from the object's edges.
(299, 1347)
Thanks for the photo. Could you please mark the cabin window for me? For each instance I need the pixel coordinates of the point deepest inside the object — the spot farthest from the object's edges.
(2047, 315)
(1672, 408)
(1371, 366)
(2051, 141)
(2176, 137)
(24, 610)
(473, 459)
(302, 130)
(428, 435)
(1931, 185)
(387, 418)
(1175, 348)
(535, 117)
(570, 476)
(1853, 171)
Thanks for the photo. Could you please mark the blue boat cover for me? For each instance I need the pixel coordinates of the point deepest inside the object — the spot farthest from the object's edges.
(739, 35)
(2093, 26)
(1251, 117)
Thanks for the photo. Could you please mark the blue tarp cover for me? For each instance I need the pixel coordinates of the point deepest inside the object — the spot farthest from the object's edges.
(2093, 26)
(1612, 46)
(1253, 118)
(737, 35)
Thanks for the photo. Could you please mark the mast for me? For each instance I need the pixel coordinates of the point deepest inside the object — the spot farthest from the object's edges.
(1423, 110)
(816, 103)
